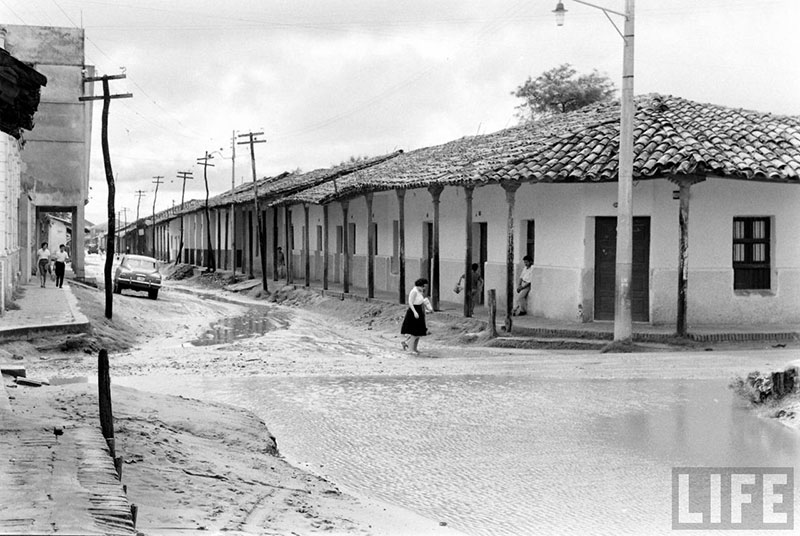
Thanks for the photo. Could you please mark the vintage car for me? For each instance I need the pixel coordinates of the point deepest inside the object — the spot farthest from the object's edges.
(137, 272)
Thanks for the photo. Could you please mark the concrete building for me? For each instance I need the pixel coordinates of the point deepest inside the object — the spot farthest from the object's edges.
(55, 174)
(20, 87)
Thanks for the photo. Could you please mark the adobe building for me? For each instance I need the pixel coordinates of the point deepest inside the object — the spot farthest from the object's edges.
(55, 160)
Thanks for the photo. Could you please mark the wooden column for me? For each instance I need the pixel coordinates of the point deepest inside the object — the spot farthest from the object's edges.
(287, 214)
(275, 243)
(468, 191)
(345, 247)
(401, 253)
(370, 248)
(684, 185)
(436, 192)
(325, 246)
(306, 244)
(511, 190)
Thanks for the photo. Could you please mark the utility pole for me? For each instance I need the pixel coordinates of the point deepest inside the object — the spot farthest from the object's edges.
(107, 98)
(262, 239)
(124, 211)
(184, 175)
(210, 261)
(156, 180)
(233, 204)
(136, 241)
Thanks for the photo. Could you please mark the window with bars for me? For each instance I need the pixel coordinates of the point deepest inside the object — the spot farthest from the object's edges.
(751, 253)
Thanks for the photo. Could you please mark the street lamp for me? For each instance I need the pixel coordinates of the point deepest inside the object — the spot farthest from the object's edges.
(624, 260)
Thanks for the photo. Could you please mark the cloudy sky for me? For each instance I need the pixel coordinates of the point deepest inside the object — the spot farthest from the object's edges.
(329, 79)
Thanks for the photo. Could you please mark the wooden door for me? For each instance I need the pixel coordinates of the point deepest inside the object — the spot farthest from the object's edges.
(605, 240)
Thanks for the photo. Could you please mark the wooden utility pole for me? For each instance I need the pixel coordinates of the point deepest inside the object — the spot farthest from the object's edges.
(139, 195)
(183, 175)
(107, 97)
(156, 180)
(211, 264)
(262, 238)
(233, 204)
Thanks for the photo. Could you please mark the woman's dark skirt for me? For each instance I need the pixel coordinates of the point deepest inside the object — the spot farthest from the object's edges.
(415, 326)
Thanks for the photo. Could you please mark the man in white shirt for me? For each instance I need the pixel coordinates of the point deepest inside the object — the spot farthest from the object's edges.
(524, 287)
(61, 264)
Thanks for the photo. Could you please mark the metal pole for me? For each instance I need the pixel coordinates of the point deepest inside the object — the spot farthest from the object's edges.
(622, 311)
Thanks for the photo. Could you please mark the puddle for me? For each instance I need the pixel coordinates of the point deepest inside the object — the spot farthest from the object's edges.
(254, 323)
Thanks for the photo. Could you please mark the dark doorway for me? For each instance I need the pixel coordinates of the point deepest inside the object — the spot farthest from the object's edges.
(605, 251)
(480, 250)
(427, 250)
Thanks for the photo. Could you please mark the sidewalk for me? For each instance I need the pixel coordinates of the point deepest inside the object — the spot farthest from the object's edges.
(48, 309)
(538, 327)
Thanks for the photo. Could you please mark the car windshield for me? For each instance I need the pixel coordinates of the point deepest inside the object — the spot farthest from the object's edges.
(141, 264)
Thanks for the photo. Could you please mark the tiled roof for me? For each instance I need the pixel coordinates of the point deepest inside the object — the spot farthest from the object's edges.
(673, 136)
(272, 188)
(463, 161)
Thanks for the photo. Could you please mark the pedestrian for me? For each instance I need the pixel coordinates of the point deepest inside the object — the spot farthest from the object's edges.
(62, 256)
(281, 263)
(43, 262)
(523, 287)
(477, 287)
(414, 322)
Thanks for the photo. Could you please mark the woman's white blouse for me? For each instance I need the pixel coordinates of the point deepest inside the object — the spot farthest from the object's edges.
(415, 297)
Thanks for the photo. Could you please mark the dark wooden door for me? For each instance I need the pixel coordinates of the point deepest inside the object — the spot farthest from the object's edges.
(605, 251)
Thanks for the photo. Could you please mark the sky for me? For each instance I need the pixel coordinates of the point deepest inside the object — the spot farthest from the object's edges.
(326, 80)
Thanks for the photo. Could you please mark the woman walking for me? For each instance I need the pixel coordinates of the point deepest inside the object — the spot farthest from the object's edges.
(43, 256)
(61, 264)
(414, 322)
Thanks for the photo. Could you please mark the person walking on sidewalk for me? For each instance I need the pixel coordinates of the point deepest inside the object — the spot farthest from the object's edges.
(61, 264)
(414, 322)
(43, 262)
(524, 287)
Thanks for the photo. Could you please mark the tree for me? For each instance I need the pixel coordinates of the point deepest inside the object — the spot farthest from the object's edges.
(561, 90)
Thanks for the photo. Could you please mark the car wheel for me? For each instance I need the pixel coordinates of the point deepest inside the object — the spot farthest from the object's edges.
(117, 290)
(152, 294)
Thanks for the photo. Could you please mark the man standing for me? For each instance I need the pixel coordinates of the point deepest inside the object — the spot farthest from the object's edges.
(281, 263)
(524, 287)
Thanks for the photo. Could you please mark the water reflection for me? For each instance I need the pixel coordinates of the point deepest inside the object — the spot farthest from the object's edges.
(507, 454)
(256, 322)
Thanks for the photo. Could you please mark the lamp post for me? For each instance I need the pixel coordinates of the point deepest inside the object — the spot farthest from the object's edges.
(624, 254)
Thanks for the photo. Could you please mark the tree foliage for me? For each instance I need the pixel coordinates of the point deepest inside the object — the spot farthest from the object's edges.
(561, 90)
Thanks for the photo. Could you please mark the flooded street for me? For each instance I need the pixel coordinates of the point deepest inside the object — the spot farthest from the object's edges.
(506, 454)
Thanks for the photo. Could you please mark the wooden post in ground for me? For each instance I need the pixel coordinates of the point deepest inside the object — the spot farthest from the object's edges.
(325, 246)
(492, 312)
(511, 189)
(104, 398)
(401, 252)
(436, 192)
(684, 186)
(468, 191)
(306, 246)
(370, 248)
(345, 246)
